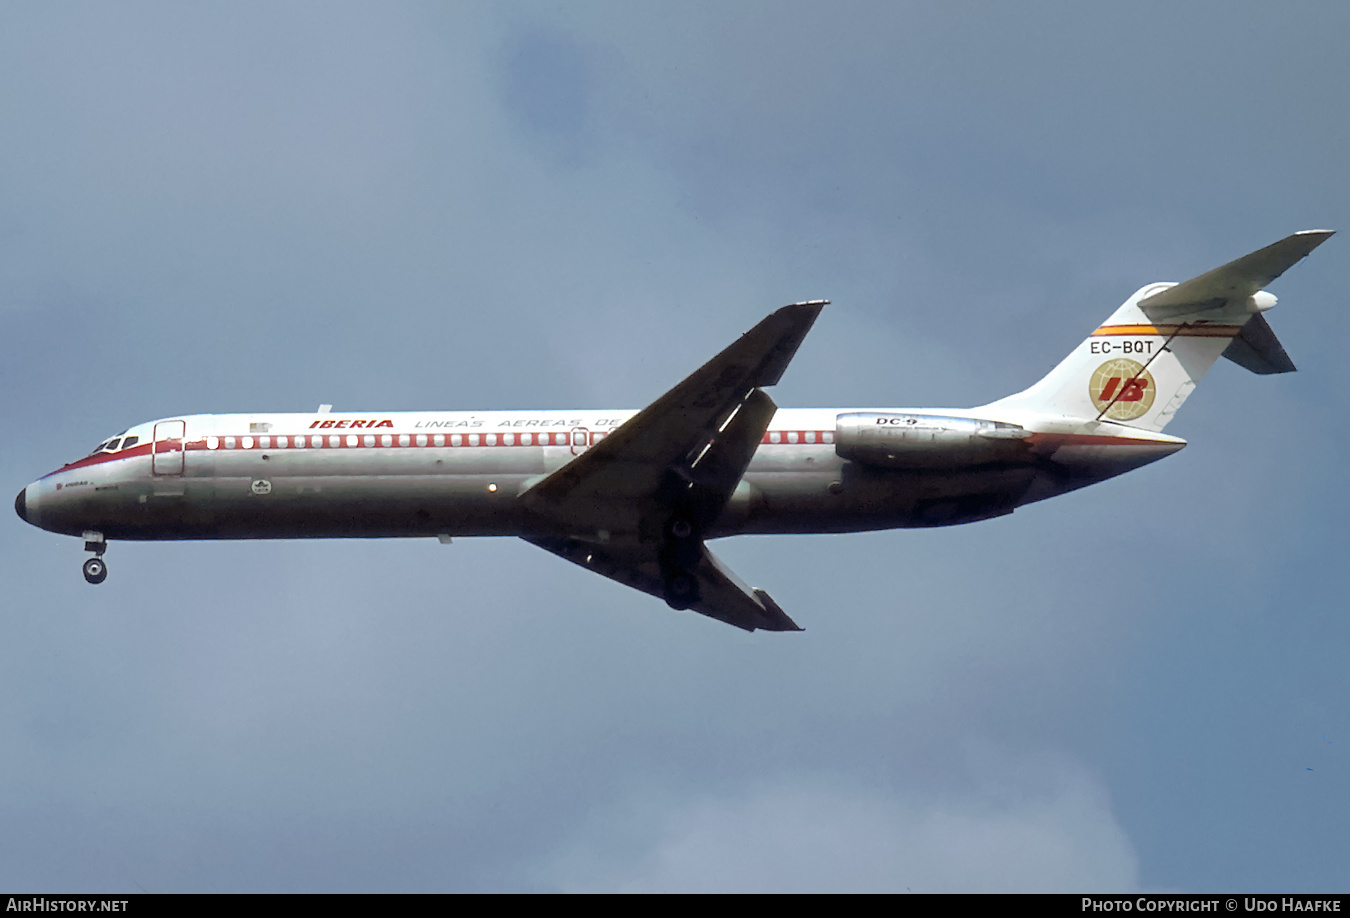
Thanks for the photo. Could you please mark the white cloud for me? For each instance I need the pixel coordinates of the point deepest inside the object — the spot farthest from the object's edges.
(1041, 825)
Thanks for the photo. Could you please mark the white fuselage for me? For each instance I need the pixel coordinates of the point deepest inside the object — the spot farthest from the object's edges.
(373, 474)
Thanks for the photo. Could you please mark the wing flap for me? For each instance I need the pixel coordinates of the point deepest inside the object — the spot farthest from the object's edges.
(717, 465)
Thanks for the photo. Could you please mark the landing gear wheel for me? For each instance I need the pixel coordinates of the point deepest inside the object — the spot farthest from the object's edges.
(681, 586)
(681, 591)
(95, 571)
(680, 528)
(682, 549)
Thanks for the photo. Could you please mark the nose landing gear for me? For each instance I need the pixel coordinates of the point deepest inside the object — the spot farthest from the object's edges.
(95, 570)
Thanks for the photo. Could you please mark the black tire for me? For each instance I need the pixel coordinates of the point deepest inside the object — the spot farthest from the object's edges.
(95, 571)
(681, 591)
(680, 586)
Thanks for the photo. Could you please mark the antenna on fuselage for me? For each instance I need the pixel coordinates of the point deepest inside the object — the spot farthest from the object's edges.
(324, 409)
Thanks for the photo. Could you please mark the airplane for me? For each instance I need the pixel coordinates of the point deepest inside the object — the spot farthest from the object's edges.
(636, 495)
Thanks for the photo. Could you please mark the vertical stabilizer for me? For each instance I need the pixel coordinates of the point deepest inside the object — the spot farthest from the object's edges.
(1140, 365)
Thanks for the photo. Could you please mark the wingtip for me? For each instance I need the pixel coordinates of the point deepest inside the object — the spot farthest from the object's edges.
(1315, 237)
(775, 618)
(790, 324)
(807, 309)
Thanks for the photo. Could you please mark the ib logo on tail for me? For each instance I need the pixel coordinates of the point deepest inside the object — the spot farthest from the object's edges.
(1122, 389)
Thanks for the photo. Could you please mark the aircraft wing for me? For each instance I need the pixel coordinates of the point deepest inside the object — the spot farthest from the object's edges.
(611, 487)
(1238, 279)
(721, 595)
(638, 503)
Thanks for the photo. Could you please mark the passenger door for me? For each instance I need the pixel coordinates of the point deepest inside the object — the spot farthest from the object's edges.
(167, 450)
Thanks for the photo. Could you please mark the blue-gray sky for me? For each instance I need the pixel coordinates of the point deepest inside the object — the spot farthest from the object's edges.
(233, 207)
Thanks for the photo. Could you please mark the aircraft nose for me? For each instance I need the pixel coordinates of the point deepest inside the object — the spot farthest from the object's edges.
(21, 505)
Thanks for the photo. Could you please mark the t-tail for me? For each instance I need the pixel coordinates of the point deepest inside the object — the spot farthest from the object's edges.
(1139, 366)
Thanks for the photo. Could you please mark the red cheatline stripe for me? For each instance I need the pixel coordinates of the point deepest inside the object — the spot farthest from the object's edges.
(448, 441)
(517, 438)
(345, 440)
(534, 438)
(99, 458)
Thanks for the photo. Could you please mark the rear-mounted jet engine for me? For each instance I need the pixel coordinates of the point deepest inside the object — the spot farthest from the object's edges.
(926, 441)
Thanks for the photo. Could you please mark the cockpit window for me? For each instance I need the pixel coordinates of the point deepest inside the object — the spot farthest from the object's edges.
(113, 445)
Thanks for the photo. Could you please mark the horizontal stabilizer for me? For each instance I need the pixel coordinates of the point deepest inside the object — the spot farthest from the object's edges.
(1236, 280)
(1257, 349)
